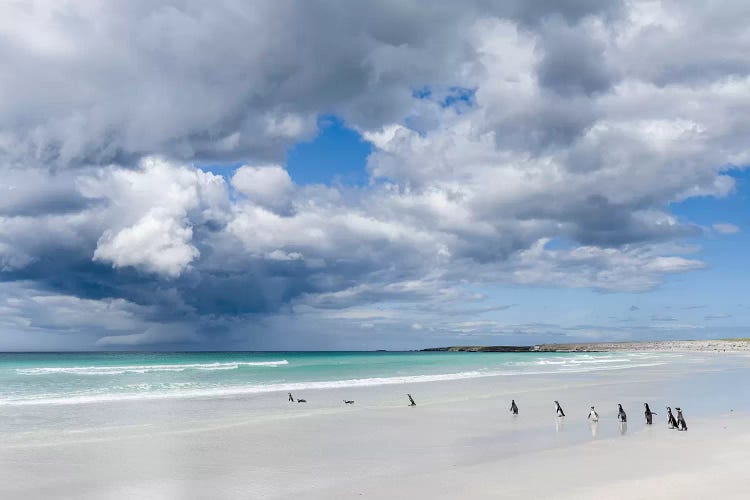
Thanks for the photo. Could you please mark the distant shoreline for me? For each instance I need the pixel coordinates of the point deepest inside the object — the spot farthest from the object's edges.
(721, 345)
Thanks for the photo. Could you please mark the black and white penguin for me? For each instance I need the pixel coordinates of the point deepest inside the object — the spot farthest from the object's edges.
(348, 402)
(681, 424)
(513, 407)
(291, 399)
(559, 410)
(621, 416)
(593, 416)
(411, 400)
(671, 422)
(649, 415)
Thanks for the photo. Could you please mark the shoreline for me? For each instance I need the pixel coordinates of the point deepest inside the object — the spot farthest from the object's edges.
(719, 345)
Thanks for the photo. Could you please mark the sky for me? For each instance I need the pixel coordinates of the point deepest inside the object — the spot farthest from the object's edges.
(325, 175)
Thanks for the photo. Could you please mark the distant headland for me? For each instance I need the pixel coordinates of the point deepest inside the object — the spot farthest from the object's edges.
(720, 345)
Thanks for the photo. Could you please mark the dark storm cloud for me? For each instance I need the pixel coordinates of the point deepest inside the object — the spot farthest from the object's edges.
(573, 61)
(550, 123)
(531, 12)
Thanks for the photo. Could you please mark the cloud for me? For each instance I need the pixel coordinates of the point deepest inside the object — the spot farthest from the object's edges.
(156, 242)
(660, 317)
(114, 83)
(574, 58)
(45, 310)
(558, 167)
(159, 335)
(151, 214)
(726, 228)
(717, 316)
(268, 185)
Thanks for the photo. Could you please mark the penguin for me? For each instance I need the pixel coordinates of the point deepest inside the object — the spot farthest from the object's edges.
(301, 400)
(291, 398)
(681, 424)
(649, 415)
(411, 400)
(621, 416)
(559, 410)
(593, 416)
(671, 422)
(513, 407)
(348, 402)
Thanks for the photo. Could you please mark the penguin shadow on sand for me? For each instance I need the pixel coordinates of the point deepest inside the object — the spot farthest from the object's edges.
(593, 419)
(623, 428)
(594, 424)
(559, 424)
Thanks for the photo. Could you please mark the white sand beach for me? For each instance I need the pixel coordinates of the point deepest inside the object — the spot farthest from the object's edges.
(458, 442)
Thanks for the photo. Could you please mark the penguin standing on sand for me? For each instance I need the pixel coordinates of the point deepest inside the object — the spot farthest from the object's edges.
(513, 407)
(411, 400)
(681, 424)
(291, 398)
(593, 416)
(621, 416)
(559, 410)
(671, 422)
(649, 415)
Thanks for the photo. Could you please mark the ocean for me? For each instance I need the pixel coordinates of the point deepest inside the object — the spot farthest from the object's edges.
(32, 379)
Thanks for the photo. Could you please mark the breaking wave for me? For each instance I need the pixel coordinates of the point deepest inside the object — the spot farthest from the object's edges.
(119, 370)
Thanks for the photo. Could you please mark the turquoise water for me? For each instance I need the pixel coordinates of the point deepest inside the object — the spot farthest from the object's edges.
(84, 378)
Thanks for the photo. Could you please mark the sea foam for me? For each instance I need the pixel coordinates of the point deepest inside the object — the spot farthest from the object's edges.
(122, 369)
